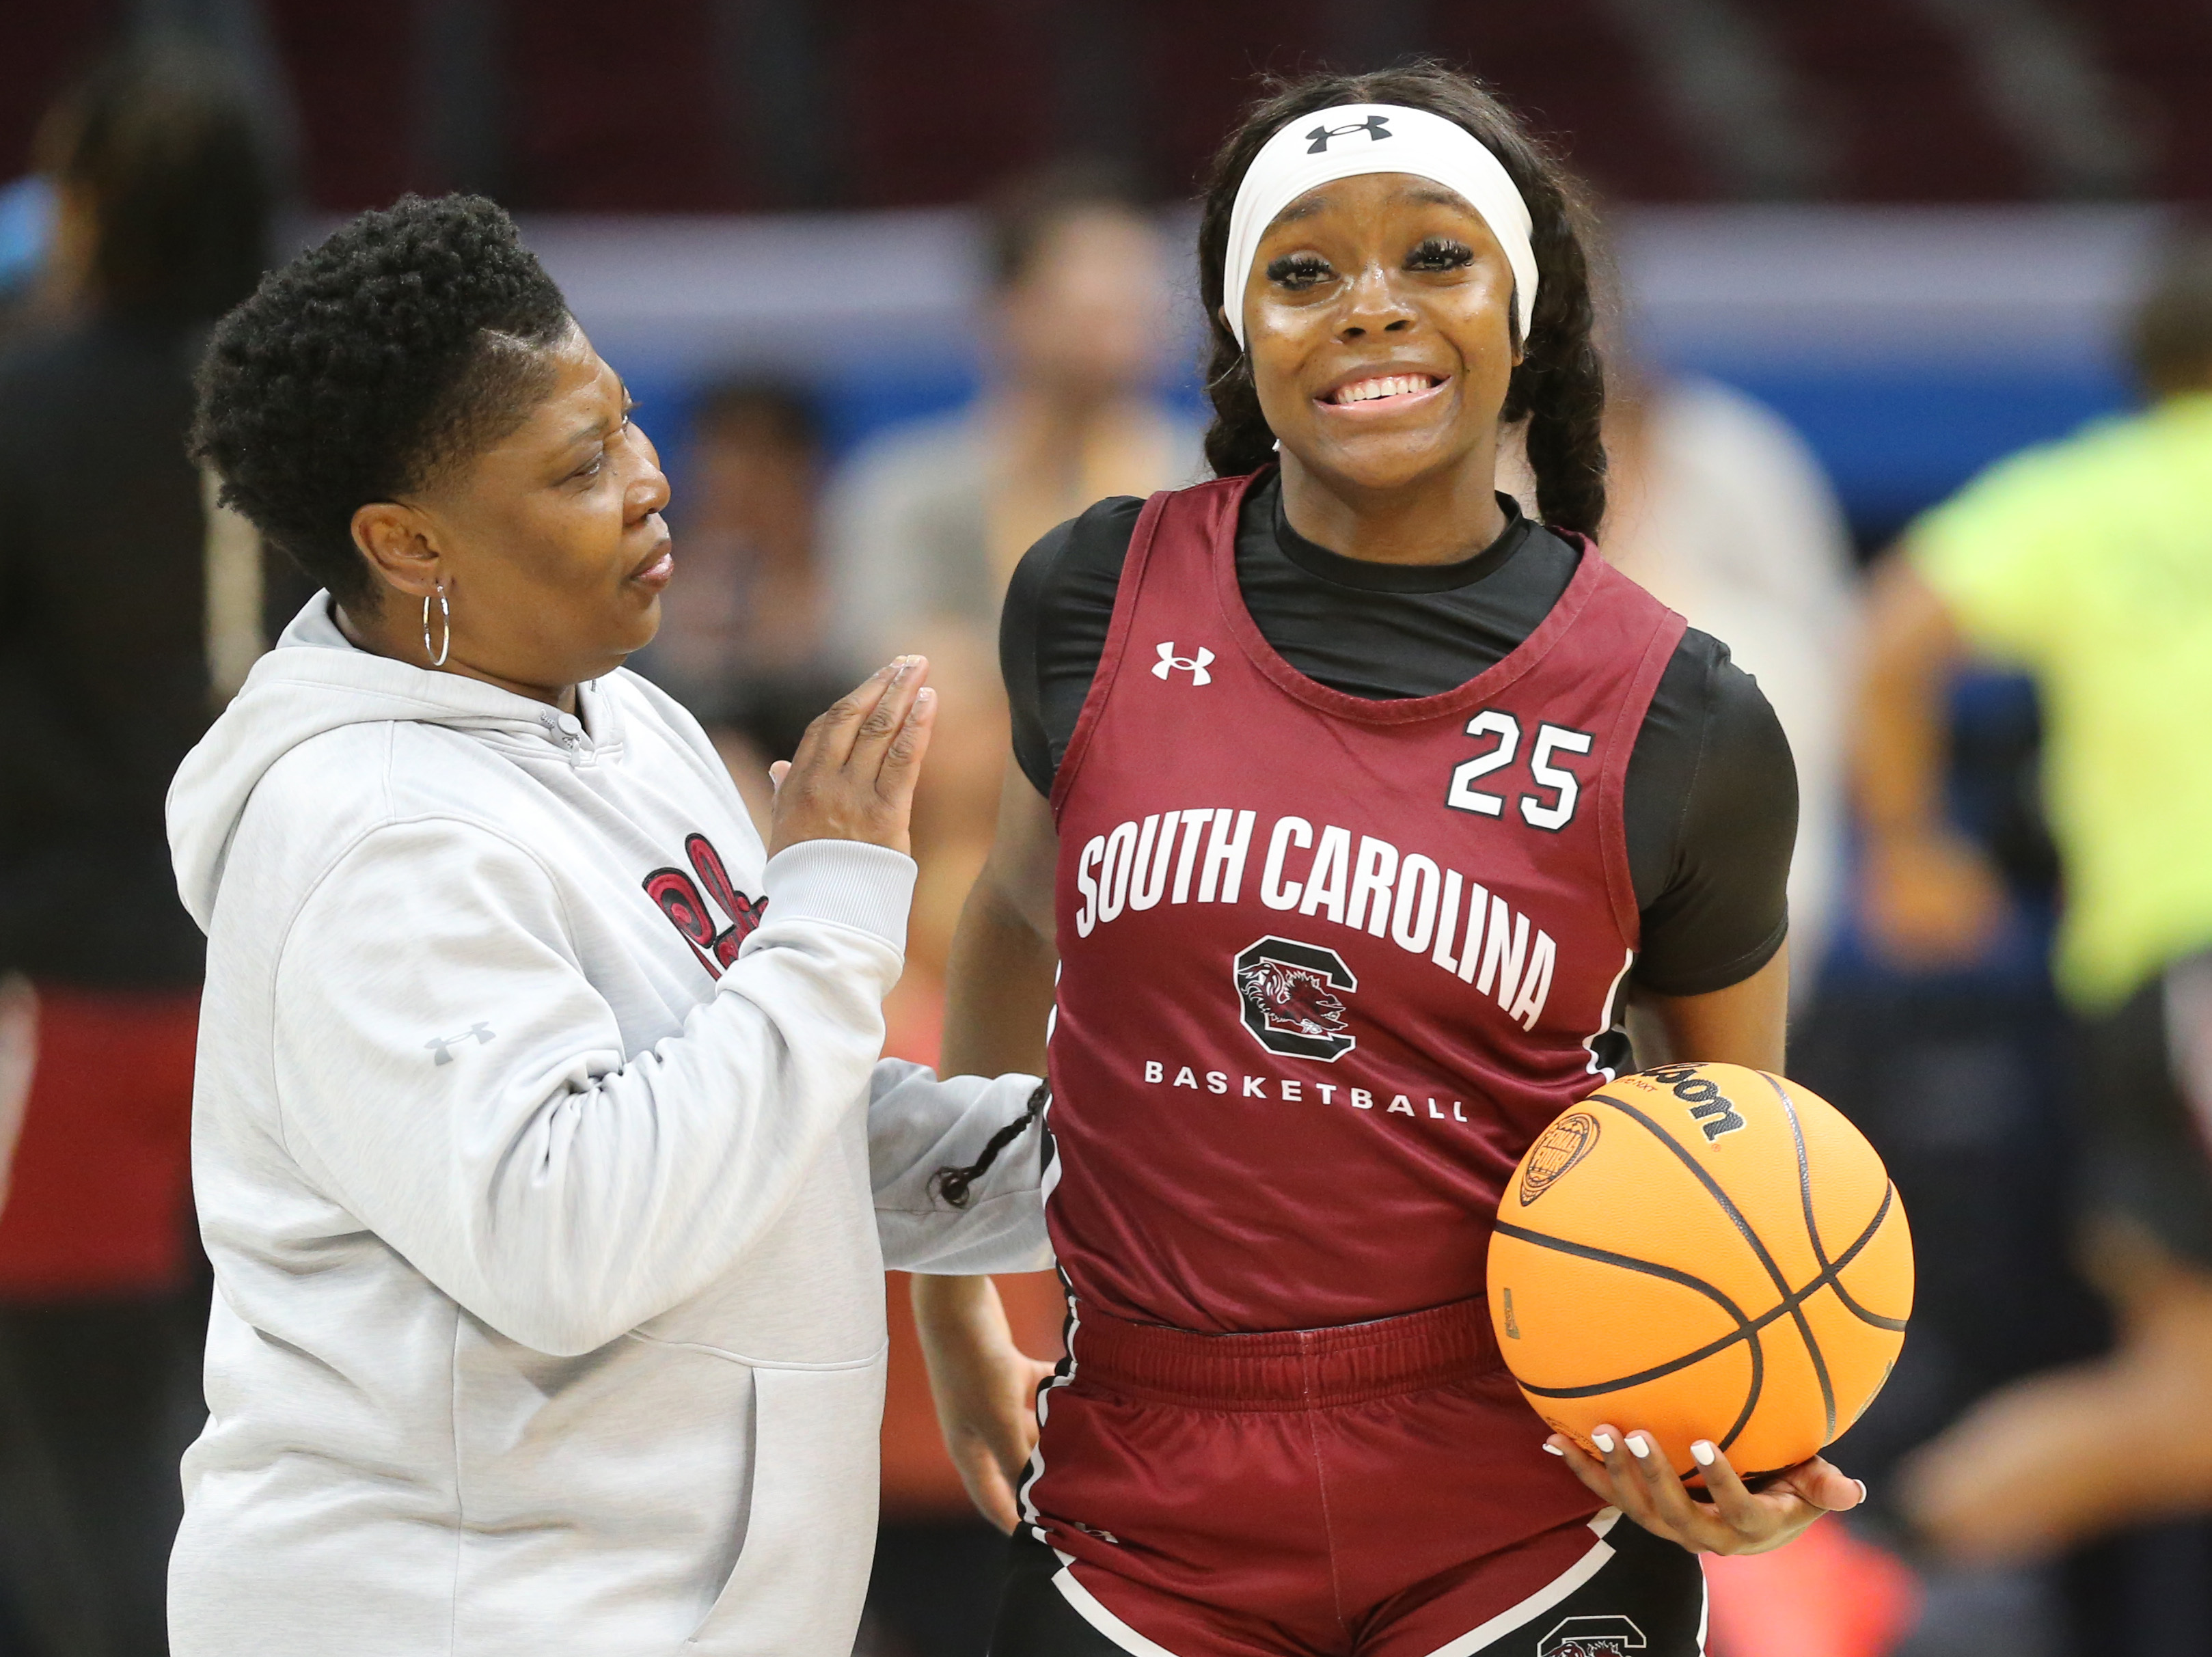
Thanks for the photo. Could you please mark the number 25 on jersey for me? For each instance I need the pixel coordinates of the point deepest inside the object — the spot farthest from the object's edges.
(1558, 790)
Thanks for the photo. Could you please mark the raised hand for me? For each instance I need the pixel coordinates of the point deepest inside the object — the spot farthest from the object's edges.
(853, 777)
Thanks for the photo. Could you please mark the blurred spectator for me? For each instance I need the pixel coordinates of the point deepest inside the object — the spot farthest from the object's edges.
(925, 524)
(925, 527)
(751, 607)
(929, 520)
(27, 231)
(108, 557)
(2087, 563)
(742, 629)
(1718, 507)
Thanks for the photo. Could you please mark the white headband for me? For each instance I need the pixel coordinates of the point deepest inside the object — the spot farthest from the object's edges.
(1351, 139)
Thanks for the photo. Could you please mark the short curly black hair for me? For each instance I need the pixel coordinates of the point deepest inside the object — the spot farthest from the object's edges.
(410, 339)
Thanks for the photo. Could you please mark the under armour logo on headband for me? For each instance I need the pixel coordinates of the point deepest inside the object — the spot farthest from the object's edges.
(1302, 156)
(1376, 127)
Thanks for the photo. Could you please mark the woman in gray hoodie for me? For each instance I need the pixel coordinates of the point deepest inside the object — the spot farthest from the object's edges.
(541, 1145)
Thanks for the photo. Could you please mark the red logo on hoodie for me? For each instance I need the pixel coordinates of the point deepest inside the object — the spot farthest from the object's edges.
(679, 899)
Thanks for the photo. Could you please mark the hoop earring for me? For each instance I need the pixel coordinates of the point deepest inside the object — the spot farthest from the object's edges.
(446, 614)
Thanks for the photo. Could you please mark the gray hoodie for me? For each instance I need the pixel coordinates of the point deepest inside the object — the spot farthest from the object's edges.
(549, 1181)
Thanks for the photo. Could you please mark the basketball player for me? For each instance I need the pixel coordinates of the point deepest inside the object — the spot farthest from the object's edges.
(1352, 807)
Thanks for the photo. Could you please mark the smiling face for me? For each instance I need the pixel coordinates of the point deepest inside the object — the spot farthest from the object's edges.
(549, 541)
(1378, 320)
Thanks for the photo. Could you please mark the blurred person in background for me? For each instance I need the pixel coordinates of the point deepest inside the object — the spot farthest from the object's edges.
(26, 230)
(2088, 564)
(923, 531)
(1721, 511)
(110, 557)
(741, 642)
(1718, 507)
(929, 521)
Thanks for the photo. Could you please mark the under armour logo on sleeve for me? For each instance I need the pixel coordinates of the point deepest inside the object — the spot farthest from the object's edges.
(1193, 665)
(444, 1045)
(1376, 127)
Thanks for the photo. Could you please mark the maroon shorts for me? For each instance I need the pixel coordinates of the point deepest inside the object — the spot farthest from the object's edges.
(1378, 1488)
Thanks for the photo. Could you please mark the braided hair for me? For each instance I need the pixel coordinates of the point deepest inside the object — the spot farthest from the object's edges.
(1559, 387)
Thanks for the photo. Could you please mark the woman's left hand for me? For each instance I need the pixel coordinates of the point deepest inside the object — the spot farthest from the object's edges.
(1634, 1476)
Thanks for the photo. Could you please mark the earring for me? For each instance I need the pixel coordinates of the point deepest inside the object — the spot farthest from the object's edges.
(446, 614)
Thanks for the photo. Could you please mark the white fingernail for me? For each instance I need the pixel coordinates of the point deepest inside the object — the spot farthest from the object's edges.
(1604, 1442)
(1639, 1446)
(1702, 1454)
(1861, 1483)
(1551, 1449)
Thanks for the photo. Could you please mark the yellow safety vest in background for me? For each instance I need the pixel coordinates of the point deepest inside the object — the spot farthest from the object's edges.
(2088, 563)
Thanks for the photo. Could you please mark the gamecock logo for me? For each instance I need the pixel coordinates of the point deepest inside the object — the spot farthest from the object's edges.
(1592, 1637)
(1292, 996)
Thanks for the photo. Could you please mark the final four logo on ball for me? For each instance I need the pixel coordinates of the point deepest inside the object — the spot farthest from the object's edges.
(1565, 1142)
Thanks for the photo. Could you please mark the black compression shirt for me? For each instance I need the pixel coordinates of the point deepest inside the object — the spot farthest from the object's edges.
(1710, 800)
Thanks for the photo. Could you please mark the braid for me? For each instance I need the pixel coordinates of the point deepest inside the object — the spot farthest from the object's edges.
(1559, 387)
(1239, 441)
(953, 1184)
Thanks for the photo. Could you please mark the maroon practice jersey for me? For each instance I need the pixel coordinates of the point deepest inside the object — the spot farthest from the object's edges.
(1328, 966)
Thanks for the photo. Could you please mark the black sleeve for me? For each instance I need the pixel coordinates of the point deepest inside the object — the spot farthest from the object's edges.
(1711, 803)
(2142, 1159)
(1053, 629)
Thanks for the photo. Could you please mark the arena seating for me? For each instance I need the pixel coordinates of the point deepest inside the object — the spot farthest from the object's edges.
(1893, 99)
(2160, 51)
(926, 101)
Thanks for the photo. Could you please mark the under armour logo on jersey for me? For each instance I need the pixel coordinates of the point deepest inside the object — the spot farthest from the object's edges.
(1376, 127)
(1193, 665)
(444, 1045)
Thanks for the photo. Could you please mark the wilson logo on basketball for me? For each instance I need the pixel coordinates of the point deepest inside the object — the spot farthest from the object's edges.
(1291, 1004)
(1709, 1108)
(1565, 1142)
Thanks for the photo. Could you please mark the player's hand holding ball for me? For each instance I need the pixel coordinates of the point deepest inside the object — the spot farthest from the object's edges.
(1735, 1519)
(1702, 1267)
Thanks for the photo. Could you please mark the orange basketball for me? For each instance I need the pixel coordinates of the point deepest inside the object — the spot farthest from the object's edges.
(1702, 1251)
